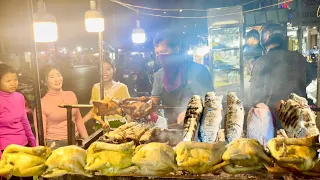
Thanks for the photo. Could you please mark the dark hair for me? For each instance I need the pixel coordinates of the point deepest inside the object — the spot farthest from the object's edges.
(108, 60)
(172, 38)
(4, 69)
(44, 71)
(253, 34)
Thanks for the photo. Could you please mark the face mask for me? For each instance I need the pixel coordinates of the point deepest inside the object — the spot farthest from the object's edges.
(168, 59)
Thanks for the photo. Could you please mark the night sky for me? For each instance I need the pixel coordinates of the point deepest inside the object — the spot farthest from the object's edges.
(119, 21)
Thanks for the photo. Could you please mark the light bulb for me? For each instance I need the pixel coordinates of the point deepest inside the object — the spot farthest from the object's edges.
(94, 20)
(45, 31)
(45, 28)
(138, 34)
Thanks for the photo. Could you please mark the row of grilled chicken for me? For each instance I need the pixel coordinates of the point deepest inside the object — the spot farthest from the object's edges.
(203, 120)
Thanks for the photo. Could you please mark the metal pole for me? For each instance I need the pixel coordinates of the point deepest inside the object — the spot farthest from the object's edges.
(101, 65)
(70, 127)
(241, 56)
(100, 37)
(318, 86)
(300, 30)
(35, 70)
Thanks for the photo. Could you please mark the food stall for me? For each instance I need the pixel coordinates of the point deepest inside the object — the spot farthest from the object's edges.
(201, 150)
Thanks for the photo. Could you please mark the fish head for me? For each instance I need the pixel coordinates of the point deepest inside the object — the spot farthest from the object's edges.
(279, 105)
(260, 110)
(236, 108)
(214, 102)
(232, 98)
(209, 95)
(195, 99)
(301, 100)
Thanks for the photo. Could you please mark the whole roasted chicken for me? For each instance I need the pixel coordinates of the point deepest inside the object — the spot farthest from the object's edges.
(24, 161)
(295, 154)
(66, 160)
(200, 158)
(154, 159)
(110, 159)
(244, 155)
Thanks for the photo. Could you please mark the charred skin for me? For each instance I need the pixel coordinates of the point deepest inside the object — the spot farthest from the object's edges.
(234, 121)
(211, 119)
(302, 101)
(297, 120)
(193, 115)
(232, 98)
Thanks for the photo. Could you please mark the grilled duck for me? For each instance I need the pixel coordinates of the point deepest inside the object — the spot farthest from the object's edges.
(234, 118)
(193, 115)
(297, 119)
(108, 106)
(211, 119)
(137, 108)
(261, 124)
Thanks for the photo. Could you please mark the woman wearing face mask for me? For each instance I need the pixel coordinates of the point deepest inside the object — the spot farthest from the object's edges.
(55, 118)
(14, 124)
(112, 89)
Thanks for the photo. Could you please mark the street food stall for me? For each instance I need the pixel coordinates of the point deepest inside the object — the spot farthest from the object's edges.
(202, 149)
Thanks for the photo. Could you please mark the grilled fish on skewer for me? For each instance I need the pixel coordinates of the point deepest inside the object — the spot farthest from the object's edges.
(135, 133)
(211, 119)
(119, 133)
(261, 124)
(193, 115)
(150, 135)
(298, 121)
(234, 118)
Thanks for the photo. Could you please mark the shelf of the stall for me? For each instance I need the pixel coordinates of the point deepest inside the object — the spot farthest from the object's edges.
(227, 69)
(225, 26)
(225, 49)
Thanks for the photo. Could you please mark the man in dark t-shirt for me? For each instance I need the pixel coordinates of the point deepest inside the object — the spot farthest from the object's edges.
(178, 79)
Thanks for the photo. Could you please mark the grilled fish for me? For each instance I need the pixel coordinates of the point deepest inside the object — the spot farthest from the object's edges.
(302, 101)
(211, 119)
(191, 120)
(150, 135)
(232, 98)
(234, 118)
(297, 120)
(134, 134)
(261, 124)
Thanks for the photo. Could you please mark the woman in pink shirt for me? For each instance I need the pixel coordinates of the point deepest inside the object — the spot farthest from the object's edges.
(14, 124)
(55, 118)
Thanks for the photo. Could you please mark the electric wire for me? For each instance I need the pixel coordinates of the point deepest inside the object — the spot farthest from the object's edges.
(194, 17)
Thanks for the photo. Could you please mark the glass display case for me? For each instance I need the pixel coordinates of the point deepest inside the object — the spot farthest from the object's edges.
(225, 42)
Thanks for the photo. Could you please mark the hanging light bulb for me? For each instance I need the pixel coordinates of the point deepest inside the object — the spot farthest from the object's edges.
(45, 28)
(94, 19)
(138, 34)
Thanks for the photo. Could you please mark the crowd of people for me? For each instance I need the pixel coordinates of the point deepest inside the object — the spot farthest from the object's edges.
(276, 73)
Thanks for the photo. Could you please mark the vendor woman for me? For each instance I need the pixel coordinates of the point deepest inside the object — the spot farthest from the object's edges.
(178, 79)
